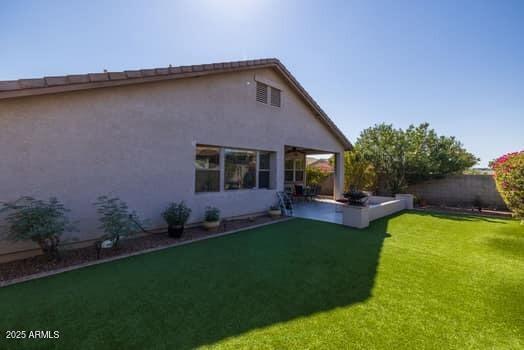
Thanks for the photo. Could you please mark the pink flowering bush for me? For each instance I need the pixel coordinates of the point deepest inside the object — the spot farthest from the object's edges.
(509, 177)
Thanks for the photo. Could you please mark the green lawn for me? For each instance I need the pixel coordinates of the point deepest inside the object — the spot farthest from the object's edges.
(415, 280)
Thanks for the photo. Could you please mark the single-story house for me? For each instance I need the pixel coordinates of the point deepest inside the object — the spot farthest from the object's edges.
(228, 135)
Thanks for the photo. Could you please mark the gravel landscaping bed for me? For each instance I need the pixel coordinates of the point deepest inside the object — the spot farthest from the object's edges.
(70, 257)
(484, 212)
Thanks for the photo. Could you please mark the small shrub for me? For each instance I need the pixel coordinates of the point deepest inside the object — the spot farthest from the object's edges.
(212, 214)
(39, 221)
(509, 178)
(116, 219)
(176, 214)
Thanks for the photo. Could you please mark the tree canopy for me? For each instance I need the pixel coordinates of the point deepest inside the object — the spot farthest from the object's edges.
(401, 157)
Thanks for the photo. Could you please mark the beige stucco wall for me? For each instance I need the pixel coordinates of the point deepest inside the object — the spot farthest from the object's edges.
(138, 142)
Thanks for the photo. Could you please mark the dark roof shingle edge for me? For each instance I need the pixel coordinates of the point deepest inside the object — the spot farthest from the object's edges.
(56, 84)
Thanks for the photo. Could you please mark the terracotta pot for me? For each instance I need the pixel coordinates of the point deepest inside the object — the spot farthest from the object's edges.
(210, 225)
(274, 213)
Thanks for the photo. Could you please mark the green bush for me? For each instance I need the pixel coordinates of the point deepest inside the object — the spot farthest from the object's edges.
(212, 214)
(39, 221)
(116, 219)
(403, 157)
(359, 173)
(315, 176)
(176, 214)
(509, 177)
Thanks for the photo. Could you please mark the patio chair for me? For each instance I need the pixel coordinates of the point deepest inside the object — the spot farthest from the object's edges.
(288, 190)
(311, 192)
(299, 192)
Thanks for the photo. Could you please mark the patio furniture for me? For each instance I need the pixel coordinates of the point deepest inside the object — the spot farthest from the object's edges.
(310, 192)
(299, 192)
(288, 190)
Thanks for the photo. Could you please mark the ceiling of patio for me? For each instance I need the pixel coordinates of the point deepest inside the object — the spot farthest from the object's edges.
(305, 150)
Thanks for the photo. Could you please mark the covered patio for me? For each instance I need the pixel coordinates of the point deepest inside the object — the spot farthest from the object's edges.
(320, 209)
(297, 184)
(307, 201)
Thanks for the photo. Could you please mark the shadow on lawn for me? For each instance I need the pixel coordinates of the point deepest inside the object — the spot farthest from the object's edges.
(203, 293)
(280, 275)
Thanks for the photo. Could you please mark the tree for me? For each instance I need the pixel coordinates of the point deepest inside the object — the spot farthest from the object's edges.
(384, 147)
(509, 178)
(315, 175)
(431, 156)
(400, 157)
(359, 173)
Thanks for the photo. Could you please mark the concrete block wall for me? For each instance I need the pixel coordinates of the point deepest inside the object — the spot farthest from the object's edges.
(459, 190)
(326, 186)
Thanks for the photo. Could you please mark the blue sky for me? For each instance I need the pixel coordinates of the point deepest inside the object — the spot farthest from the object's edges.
(458, 65)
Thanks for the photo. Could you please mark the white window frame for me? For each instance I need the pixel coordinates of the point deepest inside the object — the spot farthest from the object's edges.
(220, 166)
(295, 169)
(222, 173)
(259, 169)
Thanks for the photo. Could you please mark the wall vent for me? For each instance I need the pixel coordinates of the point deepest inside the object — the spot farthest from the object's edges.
(262, 92)
(275, 97)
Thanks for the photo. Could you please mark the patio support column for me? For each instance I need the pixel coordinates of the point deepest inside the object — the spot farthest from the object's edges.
(279, 168)
(222, 162)
(338, 181)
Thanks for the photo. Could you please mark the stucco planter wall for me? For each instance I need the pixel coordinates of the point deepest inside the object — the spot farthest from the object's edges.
(354, 216)
(386, 208)
(407, 198)
(378, 207)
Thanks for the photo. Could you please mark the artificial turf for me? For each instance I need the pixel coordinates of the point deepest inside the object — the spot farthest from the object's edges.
(415, 280)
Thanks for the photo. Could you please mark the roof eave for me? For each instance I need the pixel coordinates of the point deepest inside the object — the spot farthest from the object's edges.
(69, 83)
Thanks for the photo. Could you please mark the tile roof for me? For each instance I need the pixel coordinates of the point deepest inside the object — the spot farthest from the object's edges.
(56, 84)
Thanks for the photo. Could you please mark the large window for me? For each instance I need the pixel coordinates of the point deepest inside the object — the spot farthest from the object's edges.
(264, 169)
(207, 169)
(288, 175)
(299, 170)
(240, 169)
(294, 170)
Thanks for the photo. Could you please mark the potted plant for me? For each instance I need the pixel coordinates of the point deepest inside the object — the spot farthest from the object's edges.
(211, 218)
(176, 216)
(274, 211)
(40, 221)
(355, 197)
